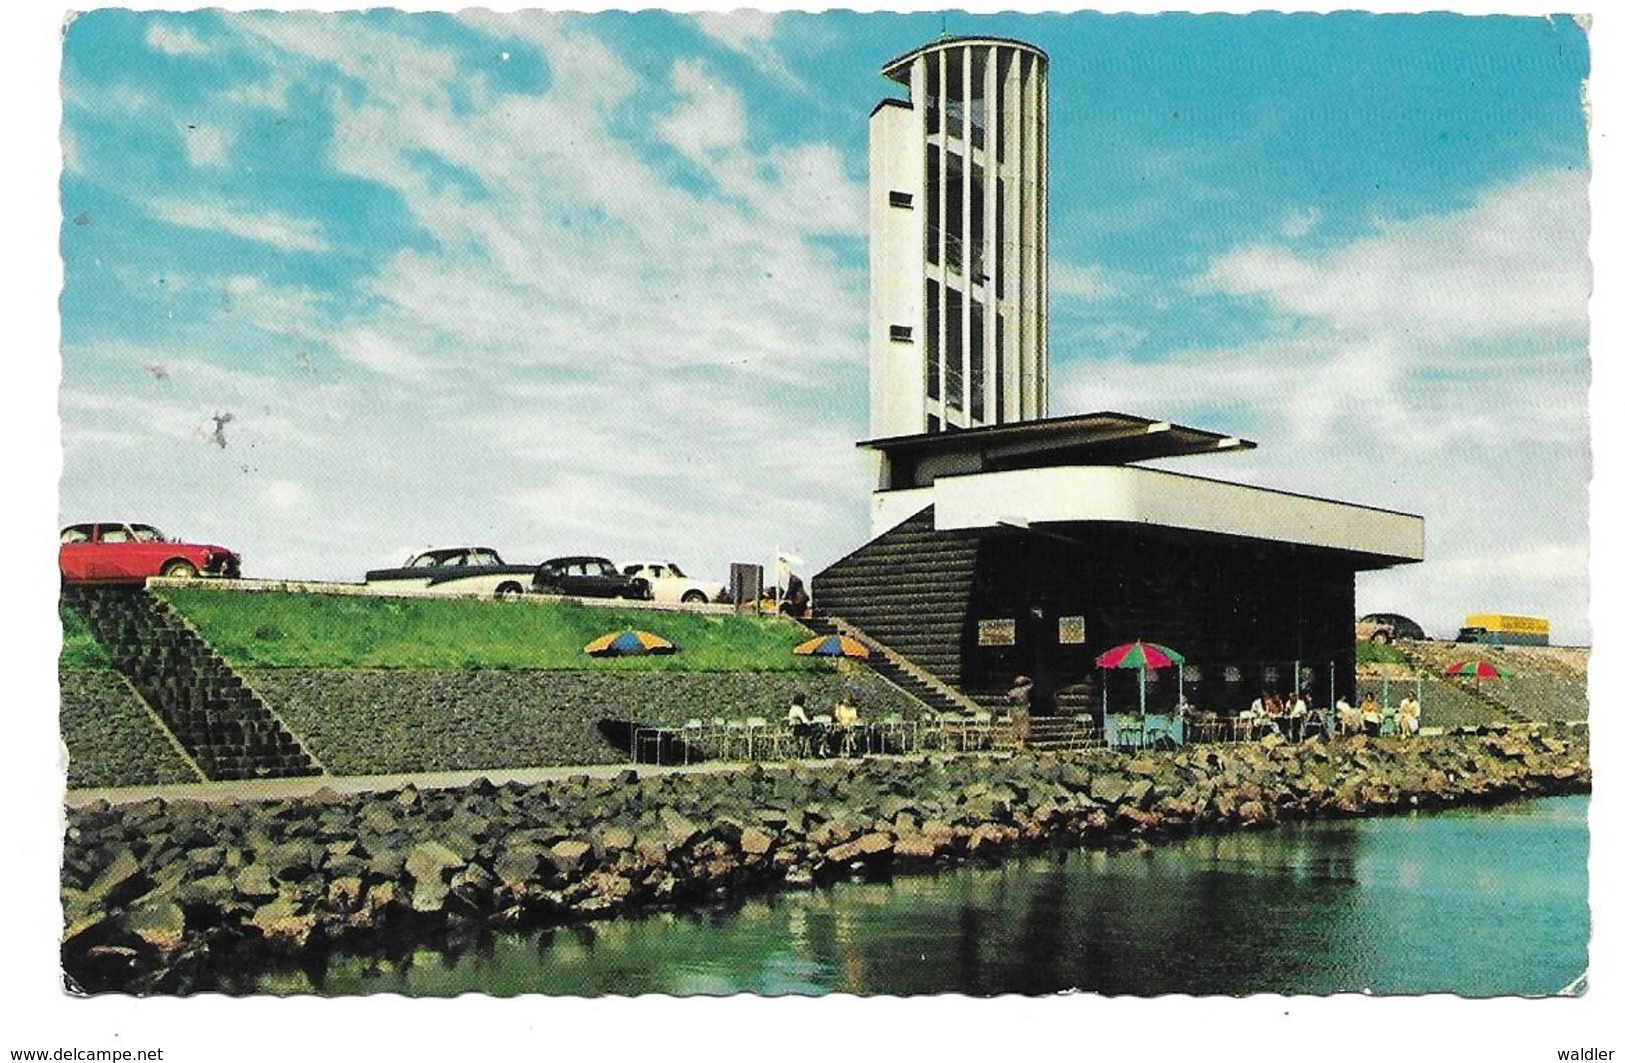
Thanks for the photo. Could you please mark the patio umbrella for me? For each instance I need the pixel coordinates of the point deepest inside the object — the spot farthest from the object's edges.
(627, 643)
(832, 646)
(1476, 669)
(1141, 655)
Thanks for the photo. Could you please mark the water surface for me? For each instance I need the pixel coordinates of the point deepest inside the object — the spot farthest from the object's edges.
(1475, 902)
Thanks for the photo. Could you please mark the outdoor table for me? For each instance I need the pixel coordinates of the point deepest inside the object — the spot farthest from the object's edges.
(1125, 730)
(1159, 726)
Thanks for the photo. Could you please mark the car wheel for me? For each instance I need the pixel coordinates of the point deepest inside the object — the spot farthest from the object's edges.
(509, 592)
(1380, 638)
(694, 598)
(180, 570)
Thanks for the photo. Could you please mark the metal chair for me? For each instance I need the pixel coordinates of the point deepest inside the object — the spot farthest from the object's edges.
(693, 738)
(755, 730)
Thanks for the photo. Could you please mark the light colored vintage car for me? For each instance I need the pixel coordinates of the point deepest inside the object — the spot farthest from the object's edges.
(672, 584)
(476, 571)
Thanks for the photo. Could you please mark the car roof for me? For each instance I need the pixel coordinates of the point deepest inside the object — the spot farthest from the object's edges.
(571, 558)
(447, 551)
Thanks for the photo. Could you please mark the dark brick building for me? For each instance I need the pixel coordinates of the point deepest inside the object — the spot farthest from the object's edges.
(1033, 548)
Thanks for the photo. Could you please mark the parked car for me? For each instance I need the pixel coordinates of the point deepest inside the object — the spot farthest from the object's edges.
(588, 577)
(1385, 627)
(128, 553)
(473, 570)
(671, 584)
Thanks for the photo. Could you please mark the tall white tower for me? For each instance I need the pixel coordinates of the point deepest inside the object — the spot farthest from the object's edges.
(959, 239)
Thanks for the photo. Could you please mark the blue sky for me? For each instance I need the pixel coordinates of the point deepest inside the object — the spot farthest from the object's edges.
(598, 283)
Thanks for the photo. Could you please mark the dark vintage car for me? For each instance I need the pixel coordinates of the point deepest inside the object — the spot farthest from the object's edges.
(472, 570)
(589, 577)
(107, 552)
(1385, 627)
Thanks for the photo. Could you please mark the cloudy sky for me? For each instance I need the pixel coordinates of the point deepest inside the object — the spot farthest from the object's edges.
(598, 283)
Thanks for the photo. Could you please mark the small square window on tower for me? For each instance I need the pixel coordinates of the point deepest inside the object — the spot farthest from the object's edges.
(902, 199)
(902, 334)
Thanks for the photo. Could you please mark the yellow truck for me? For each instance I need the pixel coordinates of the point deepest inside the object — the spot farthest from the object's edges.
(1505, 629)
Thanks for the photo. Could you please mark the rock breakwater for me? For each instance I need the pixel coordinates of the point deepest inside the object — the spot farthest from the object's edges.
(160, 897)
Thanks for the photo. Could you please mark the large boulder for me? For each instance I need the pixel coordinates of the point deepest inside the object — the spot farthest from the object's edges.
(430, 866)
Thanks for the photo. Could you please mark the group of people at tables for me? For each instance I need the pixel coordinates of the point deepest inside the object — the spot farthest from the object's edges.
(837, 734)
(1295, 718)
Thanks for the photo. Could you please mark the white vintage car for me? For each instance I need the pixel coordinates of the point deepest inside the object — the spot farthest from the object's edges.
(475, 571)
(672, 584)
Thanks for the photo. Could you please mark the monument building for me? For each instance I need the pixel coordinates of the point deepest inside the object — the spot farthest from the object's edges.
(1008, 541)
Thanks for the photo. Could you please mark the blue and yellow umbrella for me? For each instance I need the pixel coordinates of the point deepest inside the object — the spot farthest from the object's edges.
(832, 646)
(628, 643)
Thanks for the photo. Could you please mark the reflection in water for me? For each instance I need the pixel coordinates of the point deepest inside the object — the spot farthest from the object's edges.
(1478, 903)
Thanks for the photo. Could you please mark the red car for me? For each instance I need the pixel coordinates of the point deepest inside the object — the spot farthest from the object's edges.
(127, 553)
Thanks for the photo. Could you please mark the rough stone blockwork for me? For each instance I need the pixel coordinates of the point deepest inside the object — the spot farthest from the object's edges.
(223, 725)
(164, 897)
(112, 740)
(383, 722)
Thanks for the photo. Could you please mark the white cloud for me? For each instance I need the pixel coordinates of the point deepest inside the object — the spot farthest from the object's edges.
(750, 33)
(289, 234)
(283, 496)
(206, 145)
(1514, 264)
(1300, 223)
(1405, 361)
(709, 119)
(174, 41)
(1081, 282)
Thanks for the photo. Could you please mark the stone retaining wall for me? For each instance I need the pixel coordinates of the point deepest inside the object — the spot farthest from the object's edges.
(390, 721)
(112, 740)
(163, 897)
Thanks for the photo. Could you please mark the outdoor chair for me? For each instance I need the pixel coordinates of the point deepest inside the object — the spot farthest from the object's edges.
(892, 734)
(693, 739)
(927, 731)
(737, 740)
(718, 738)
(756, 733)
(1130, 732)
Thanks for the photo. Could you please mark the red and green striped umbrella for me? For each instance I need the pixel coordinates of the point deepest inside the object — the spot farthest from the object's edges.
(1477, 669)
(627, 643)
(1139, 654)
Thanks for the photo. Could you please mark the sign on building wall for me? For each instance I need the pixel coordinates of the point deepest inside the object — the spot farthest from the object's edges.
(996, 632)
(1071, 630)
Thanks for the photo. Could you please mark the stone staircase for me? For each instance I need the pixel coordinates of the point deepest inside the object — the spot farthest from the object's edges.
(898, 670)
(222, 724)
(909, 589)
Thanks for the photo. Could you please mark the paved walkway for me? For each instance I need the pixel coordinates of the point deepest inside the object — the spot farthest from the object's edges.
(304, 786)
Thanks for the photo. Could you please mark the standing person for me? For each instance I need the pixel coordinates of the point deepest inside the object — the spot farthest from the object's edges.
(796, 598)
(1021, 712)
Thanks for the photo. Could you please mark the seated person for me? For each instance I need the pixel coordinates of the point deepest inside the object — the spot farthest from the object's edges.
(1371, 715)
(1409, 720)
(802, 729)
(846, 724)
(1348, 717)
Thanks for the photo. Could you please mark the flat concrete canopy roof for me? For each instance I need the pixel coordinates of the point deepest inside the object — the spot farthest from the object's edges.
(1369, 537)
(1103, 438)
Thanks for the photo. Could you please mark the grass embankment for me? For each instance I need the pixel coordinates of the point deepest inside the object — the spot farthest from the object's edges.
(1368, 652)
(267, 629)
(80, 651)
